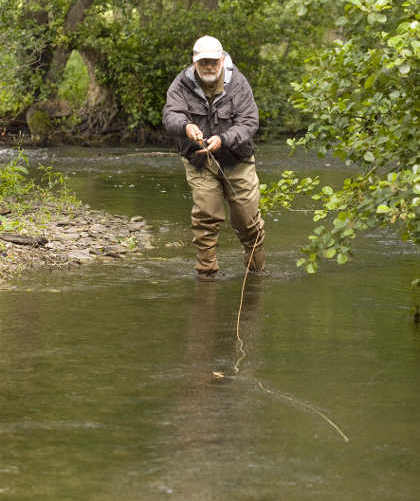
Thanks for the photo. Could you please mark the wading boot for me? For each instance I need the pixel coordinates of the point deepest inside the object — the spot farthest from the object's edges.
(257, 263)
(209, 276)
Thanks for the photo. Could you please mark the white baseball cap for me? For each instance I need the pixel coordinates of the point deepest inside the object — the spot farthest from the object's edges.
(207, 48)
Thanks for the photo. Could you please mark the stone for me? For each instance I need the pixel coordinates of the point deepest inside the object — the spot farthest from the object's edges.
(136, 219)
(55, 245)
(69, 236)
(97, 228)
(123, 233)
(80, 256)
(136, 226)
(115, 251)
(63, 222)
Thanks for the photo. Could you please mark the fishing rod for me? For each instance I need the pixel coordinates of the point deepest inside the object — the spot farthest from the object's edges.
(211, 159)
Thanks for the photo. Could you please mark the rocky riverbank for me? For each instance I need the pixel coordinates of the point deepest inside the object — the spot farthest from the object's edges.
(54, 236)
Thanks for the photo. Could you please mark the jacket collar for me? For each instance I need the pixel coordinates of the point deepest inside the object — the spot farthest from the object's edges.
(190, 75)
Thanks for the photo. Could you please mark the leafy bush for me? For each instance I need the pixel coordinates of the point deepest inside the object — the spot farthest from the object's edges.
(14, 179)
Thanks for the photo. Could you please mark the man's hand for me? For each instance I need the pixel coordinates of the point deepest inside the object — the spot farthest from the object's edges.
(214, 143)
(194, 133)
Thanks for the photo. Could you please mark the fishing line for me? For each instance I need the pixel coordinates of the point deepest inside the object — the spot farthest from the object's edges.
(238, 320)
(241, 345)
(309, 407)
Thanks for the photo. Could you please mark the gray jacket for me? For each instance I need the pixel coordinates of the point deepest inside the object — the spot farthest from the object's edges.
(233, 115)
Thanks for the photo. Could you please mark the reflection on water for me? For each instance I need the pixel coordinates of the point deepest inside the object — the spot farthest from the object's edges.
(119, 381)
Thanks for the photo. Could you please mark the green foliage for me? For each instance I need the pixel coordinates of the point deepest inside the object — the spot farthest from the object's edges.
(21, 193)
(284, 192)
(14, 177)
(11, 102)
(363, 96)
(18, 184)
(364, 93)
(74, 86)
(364, 202)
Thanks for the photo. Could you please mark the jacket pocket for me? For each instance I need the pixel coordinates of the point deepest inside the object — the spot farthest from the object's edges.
(224, 117)
(198, 113)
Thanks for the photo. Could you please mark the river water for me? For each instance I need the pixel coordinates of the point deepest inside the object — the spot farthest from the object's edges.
(127, 381)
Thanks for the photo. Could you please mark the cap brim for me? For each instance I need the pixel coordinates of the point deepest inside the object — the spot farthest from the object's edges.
(207, 55)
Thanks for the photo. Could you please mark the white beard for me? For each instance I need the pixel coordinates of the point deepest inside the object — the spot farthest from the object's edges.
(209, 79)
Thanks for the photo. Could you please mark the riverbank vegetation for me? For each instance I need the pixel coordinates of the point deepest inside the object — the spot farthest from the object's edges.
(363, 98)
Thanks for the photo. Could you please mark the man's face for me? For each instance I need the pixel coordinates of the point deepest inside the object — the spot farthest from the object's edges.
(209, 70)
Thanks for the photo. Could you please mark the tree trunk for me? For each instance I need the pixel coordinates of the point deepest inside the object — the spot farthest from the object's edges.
(51, 64)
(100, 108)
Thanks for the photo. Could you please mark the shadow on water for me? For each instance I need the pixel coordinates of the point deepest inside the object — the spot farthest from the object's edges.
(119, 381)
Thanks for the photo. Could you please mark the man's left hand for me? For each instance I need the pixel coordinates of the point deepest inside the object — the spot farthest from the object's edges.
(214, 143)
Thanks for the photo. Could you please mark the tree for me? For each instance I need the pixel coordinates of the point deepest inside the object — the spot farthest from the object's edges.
(133, 49)
(42, 54)
(363, 96)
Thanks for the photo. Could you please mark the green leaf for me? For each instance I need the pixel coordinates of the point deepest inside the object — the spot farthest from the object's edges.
(319, 214)
(342, 258)
(382, 209)
(319, 229)
(404, 69)
(302, 10)
(370, 81)
(340, 221)
(312, 268)
(382, 3)
(330, 253)
(349, 232)
(341, 21)
(369, 156)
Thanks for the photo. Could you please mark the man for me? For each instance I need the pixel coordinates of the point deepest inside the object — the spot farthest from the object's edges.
(210, 110)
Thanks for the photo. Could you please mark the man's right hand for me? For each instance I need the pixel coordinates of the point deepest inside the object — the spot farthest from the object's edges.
(193, 132)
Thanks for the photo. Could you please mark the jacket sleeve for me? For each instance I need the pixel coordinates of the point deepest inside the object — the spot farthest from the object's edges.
(245, 118)
(175, 111)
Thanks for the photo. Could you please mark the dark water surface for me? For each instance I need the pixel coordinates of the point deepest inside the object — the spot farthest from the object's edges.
(107, 385)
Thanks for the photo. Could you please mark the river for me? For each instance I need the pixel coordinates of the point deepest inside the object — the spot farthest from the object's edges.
(129, 381)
